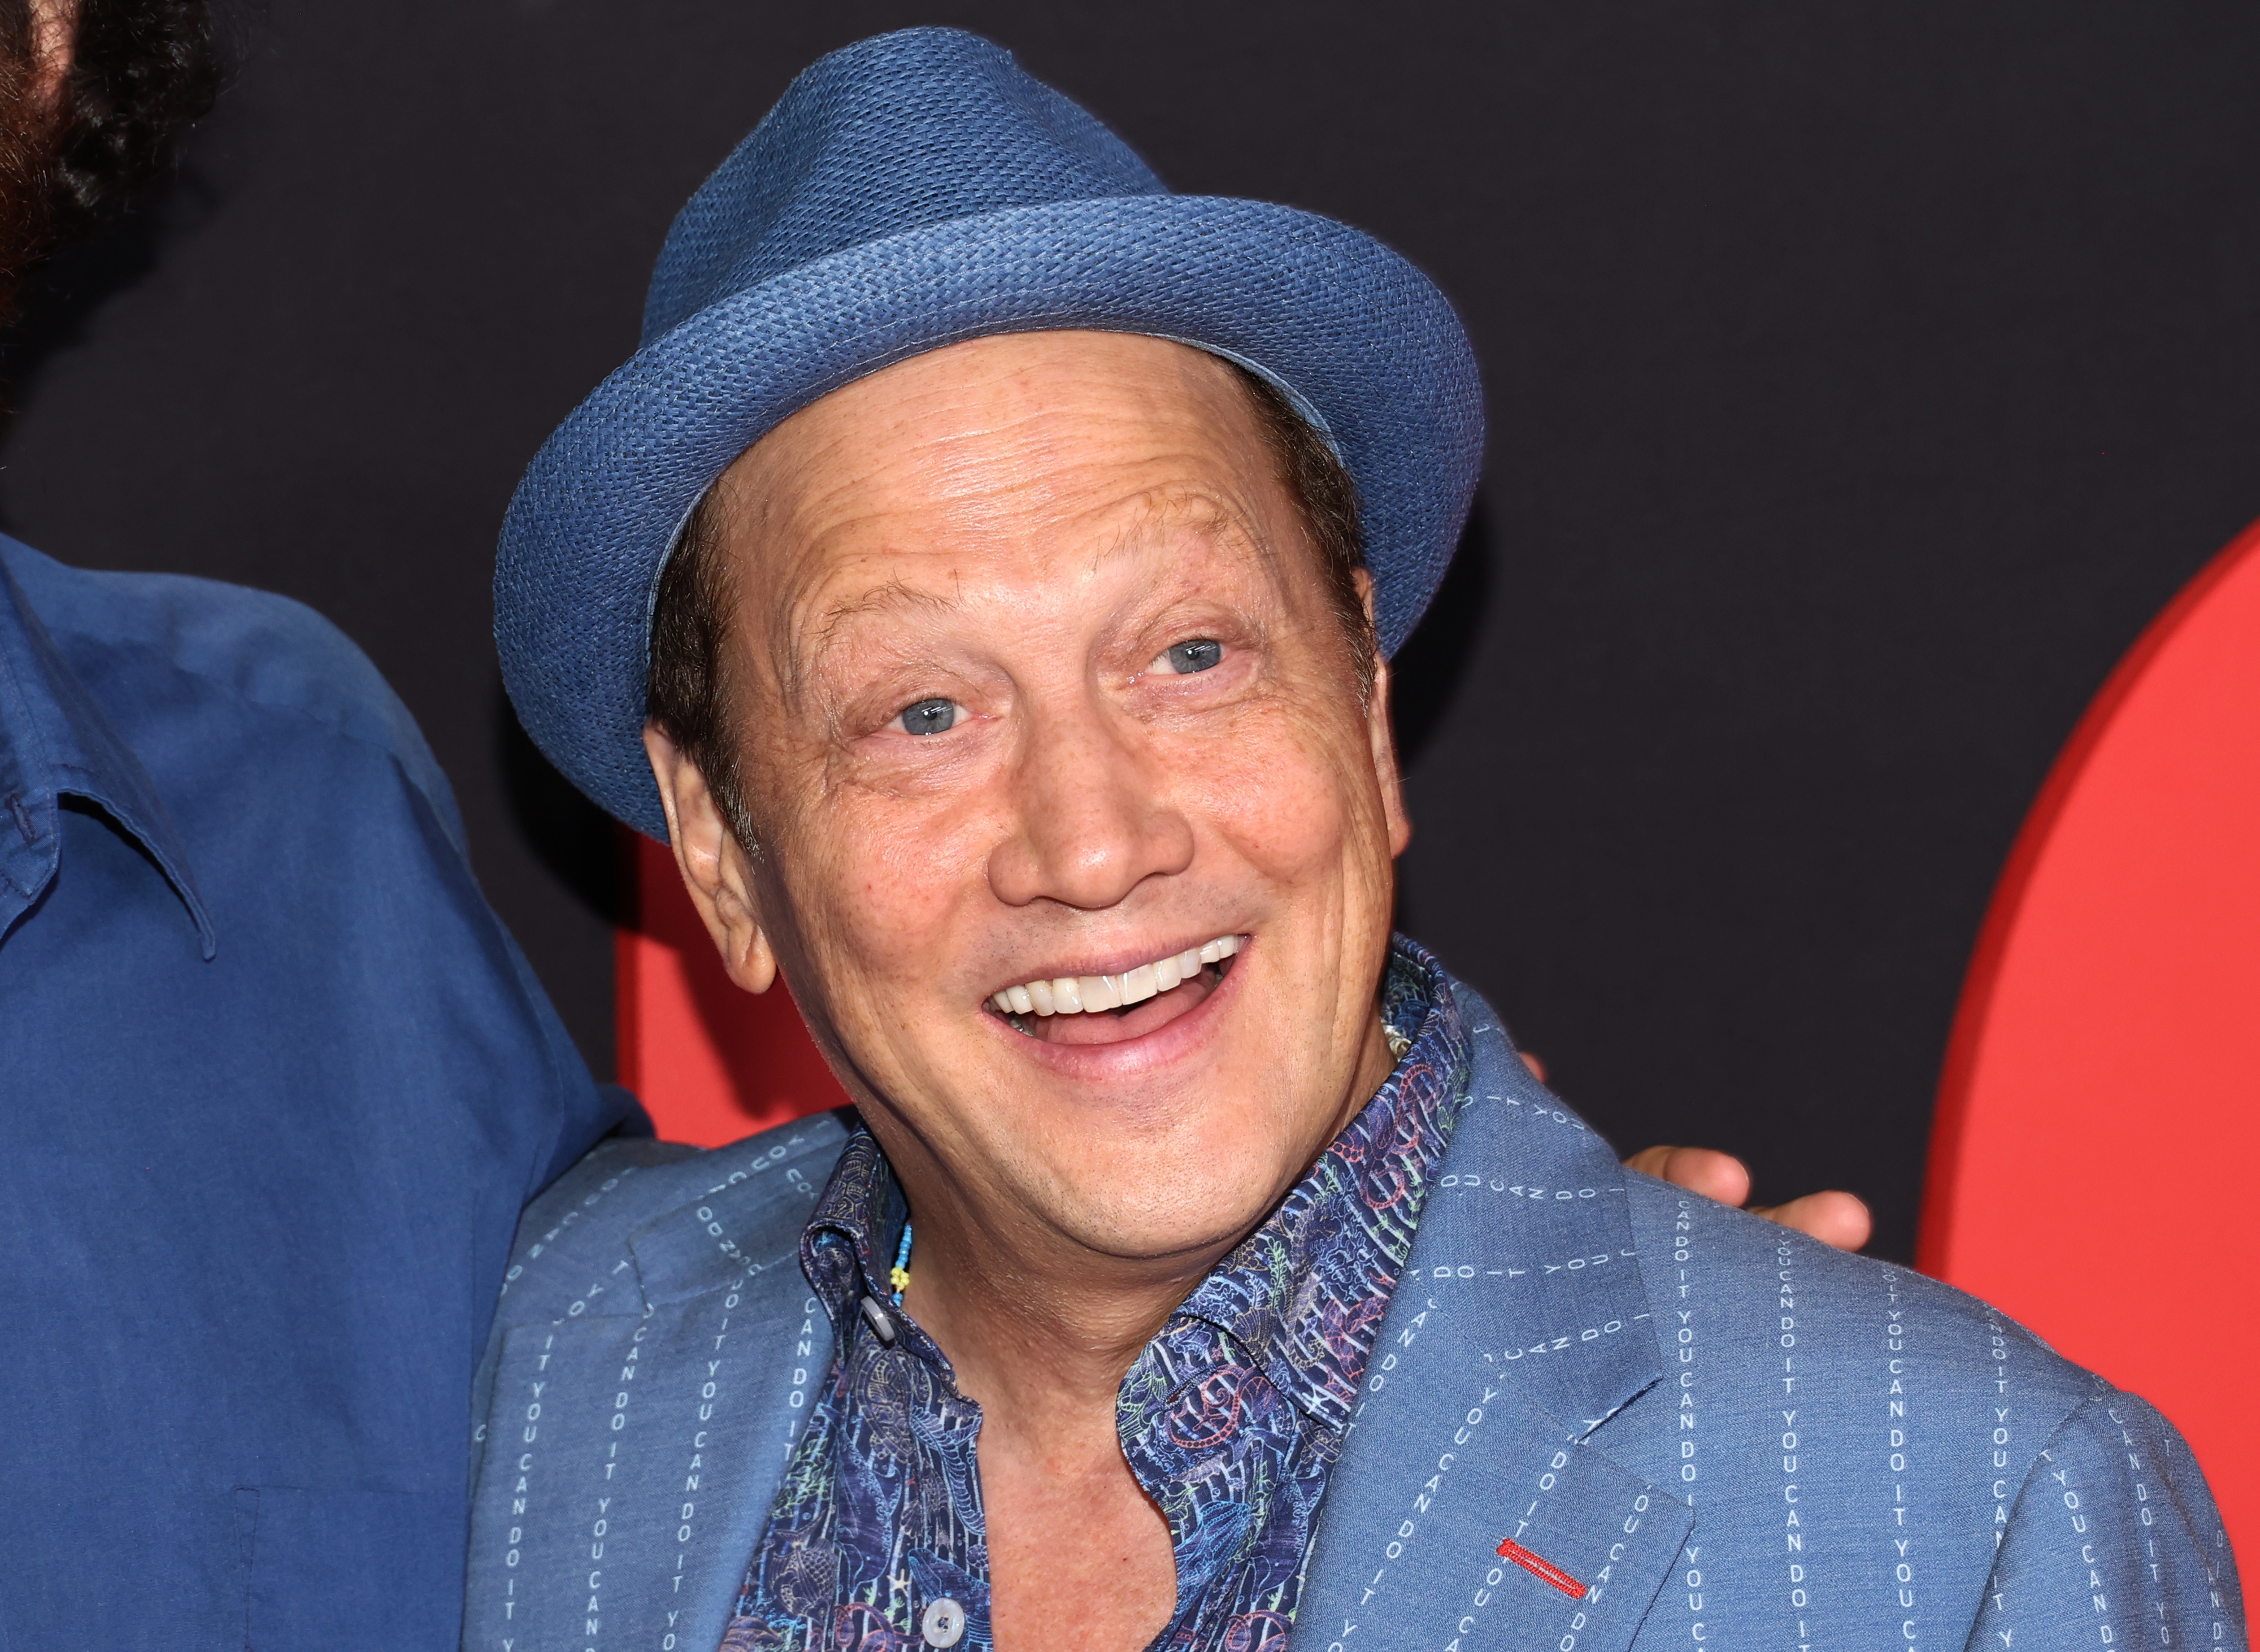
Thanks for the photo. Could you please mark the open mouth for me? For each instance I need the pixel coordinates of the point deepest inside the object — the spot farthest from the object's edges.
(1107, 1009)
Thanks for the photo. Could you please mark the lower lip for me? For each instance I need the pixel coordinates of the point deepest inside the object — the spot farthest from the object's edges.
(1127, 1057)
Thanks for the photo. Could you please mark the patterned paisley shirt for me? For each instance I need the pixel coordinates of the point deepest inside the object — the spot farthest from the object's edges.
(1231, 1418)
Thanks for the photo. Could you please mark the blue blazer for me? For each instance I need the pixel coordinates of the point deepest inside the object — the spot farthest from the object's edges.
(1724, 1434)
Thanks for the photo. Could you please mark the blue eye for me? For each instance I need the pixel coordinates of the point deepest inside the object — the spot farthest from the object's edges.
(927, 716)
(1185, 658)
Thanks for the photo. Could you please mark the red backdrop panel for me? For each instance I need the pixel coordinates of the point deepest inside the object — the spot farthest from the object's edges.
(711, 1062)
(2098, 1135)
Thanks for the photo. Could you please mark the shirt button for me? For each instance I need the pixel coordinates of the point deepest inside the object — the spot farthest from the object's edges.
(943, 1623)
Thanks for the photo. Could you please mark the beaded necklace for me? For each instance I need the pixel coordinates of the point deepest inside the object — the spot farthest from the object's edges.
(899, 1275)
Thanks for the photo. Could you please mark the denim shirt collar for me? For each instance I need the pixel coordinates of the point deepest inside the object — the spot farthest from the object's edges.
(1302, 1296)
(56, 743)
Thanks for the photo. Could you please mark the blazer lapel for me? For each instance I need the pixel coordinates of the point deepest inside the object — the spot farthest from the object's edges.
(634, 1449)
(1519, 1324)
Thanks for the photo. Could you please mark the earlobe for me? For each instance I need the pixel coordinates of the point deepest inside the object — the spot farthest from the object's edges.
(752, 964)
(714, 866)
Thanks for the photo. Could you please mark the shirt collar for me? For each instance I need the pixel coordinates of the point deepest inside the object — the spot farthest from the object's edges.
(857, 1222)
(1304, 1294)
(56, 743)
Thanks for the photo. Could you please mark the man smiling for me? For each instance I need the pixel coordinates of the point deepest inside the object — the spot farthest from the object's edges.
(985, 577)
(1059, 700)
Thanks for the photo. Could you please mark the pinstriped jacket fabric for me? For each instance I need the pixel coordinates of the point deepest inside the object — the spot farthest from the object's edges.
(1697, 1430)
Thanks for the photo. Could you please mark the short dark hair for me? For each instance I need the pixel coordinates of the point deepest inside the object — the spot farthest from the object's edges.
(684, 691)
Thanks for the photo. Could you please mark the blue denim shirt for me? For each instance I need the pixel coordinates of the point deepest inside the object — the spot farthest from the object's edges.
(275, 1084)
(1231, 1418)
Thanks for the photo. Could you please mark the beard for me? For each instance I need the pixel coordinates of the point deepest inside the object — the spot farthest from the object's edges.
(29, 135)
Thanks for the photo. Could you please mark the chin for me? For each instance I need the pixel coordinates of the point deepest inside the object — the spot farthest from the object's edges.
(1191, 1191)
(1191, 1221)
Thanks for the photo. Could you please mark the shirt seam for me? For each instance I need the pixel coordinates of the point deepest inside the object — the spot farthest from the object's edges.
(236, 693)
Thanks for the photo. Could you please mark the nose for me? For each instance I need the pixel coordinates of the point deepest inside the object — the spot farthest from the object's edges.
(1094, 814)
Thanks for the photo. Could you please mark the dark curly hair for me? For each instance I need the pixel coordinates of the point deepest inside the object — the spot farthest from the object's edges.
(141, 72)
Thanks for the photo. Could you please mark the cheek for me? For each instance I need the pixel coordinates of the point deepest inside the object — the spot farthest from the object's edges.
(883, 882)
(1294, 794)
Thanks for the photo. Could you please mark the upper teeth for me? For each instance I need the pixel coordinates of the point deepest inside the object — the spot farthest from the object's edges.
(1075, 994)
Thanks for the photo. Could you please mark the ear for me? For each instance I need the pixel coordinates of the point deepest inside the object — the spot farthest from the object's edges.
(714, 865)
(1382, 737)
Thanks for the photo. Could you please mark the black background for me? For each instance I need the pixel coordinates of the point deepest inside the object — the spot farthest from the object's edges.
(1862, 379)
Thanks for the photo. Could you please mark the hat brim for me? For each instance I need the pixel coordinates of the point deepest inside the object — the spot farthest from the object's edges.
(1353, 332)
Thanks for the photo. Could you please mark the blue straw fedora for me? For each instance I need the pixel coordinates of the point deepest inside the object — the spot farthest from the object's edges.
(908, 192)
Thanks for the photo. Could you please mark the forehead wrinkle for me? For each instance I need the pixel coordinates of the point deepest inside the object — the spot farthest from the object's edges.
(784, 523)
(1005, 482)
(808, 634)
(1027, 459)
(1161, 506)
(1207, 511)
(833, 506)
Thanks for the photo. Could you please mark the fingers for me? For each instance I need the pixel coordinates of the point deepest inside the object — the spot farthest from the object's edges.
(1537, 1068)
(1704, 1171)
(1650, 1162)
(1832, 1218)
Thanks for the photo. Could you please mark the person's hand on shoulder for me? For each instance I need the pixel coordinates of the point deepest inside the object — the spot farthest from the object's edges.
(1834, 1217)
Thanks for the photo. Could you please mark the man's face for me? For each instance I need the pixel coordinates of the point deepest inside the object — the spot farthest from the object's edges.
(1034, 675)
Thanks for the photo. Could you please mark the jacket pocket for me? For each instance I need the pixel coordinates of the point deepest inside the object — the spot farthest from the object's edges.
(1501, 1533)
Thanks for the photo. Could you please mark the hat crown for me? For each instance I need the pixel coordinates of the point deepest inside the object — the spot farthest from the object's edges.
(888, 135)
(906, 194)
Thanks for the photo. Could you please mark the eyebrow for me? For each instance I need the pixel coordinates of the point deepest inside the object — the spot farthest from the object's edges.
(807, 642)
(895, 592)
